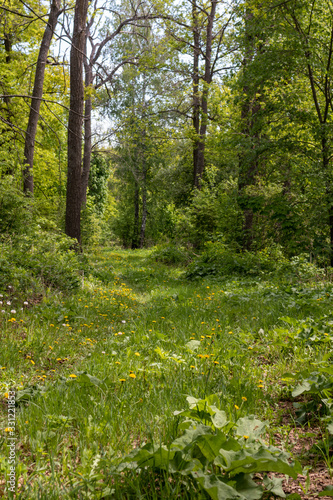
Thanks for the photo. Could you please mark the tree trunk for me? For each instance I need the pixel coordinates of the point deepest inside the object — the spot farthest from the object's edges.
(29, 145)
(196, 99)
(329, 191)
(248, 166)
(144, 207)
(6, 127)
(135, 239)
(87, 132)
(201, 143)
(75, 121)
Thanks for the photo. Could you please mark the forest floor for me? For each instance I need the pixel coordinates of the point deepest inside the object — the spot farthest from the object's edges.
(102, 371)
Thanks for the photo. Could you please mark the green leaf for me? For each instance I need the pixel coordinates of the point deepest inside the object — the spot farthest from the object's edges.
(300, 388)
(247, 487)
(219, 420)
(216, 489)
(210, 445)
(250, 426)
(250, 461)
(274, 485)
(327, 492)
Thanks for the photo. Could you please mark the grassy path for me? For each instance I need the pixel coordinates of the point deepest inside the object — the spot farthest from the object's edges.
(100, 372)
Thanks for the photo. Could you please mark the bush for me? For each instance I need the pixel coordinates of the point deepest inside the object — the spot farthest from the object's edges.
(15, 208)
(170, 254)
(219, 259)
(37, 260)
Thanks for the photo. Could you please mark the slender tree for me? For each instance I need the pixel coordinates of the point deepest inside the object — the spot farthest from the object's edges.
(37, 94)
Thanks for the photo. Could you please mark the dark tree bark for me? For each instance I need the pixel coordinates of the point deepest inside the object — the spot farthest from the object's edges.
(29, 146)
(206, 80)
(75, 122)
(200, 109)
(196, 99)
(87, 129)
(248, 160)
(135, 239)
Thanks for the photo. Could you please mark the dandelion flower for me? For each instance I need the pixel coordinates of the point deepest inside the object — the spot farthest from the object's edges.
(137, 354)
(236, 407)
(246, 437)
(244, 398)
(122, 380)
(132, 375)
(72, 375)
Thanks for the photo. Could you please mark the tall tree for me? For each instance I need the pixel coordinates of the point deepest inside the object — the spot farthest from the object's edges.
(37, 94)
(75, 122)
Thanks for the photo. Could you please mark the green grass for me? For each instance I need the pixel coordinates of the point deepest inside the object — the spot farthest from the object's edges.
(130, 329)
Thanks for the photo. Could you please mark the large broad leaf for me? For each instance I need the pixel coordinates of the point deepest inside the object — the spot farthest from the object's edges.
(156, 457)
(190, 436)
(300, 388)
(250, 427)
(249, 462)
(204, 404)
(215, 488)
(210, 444)
(219, 419)
(248, 488)
(274, 485)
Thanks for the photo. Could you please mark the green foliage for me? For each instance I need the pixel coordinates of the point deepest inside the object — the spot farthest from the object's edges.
(219, 260)
(213, 453)
(98, 179)
(170, 254)
(36, 260)
(15, 208)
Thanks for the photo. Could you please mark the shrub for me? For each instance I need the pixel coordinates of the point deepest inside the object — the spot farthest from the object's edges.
(36, 260)
(170, 254)
(219, 259)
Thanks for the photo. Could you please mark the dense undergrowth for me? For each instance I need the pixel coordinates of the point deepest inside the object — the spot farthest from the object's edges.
(142, 383)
